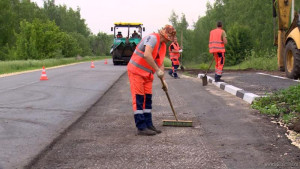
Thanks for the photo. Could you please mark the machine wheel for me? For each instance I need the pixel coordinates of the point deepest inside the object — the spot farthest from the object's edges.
(116, 62)
(292, 60)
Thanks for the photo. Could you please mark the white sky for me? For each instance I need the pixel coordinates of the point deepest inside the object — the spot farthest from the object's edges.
(100, 15)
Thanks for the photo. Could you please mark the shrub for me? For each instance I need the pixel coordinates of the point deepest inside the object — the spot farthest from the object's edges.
(239, 42)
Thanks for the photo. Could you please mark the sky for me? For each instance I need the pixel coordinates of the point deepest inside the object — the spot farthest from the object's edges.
(100, 15)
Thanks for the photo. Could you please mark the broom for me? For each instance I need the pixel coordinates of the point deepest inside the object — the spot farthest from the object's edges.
(204, 78)
(177, 123)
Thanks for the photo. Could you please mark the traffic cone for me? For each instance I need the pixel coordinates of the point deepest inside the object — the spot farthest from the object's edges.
(105, 62)
(44, 76)
(92, 64)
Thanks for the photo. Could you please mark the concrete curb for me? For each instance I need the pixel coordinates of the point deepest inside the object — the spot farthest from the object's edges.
(246, 96)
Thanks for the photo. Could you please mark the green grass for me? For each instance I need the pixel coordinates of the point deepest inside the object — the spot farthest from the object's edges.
(283, 104)
(24, 65)
(260, 63)
(262, 60)
(167, 62)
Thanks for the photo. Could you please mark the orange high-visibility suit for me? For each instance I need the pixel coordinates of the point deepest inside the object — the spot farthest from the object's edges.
(174, 58)
(140, 75)
(217, 47)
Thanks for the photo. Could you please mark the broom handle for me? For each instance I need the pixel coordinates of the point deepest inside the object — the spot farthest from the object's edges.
(210, 65)
(169, 99)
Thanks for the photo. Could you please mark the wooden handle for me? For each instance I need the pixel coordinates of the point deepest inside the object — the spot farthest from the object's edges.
(210, 65)
(164, 87)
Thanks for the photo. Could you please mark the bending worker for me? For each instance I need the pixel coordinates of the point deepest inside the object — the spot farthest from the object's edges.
(174, 50)
(217, 42)
(146, 60)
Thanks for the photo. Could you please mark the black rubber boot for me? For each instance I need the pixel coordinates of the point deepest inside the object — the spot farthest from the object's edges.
(218, 78)
(146, 132)
(154, 129)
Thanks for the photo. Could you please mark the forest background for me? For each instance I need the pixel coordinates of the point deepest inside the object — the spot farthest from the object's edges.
(28, 31)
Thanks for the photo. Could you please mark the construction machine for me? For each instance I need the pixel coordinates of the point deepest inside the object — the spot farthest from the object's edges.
(126, 37)
(287, 37)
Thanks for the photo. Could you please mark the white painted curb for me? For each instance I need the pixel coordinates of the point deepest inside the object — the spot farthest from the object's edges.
(246, 96)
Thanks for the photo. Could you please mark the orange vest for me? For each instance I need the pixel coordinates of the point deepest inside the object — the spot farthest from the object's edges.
(139, 65)
(174, 56)
(215, 41)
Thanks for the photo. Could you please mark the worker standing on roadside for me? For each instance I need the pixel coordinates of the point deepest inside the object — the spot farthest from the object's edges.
(174, 50)
(217, 42)
(146, 60)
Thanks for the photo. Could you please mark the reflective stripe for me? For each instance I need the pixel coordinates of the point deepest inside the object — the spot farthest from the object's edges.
(140, 66)
(147, 110)
(216, 42)
(139, 112)
(219, 72)
(217, 48)
(139, 53)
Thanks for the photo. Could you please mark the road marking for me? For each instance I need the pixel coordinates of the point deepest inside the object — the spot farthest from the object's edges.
(278, 77)
(246, 96)
(38, 69)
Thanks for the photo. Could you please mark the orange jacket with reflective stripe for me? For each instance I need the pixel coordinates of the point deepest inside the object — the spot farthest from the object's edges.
(174, 56)
(139, 65)
(215, 41)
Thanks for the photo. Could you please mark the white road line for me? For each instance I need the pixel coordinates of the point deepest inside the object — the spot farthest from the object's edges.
(277, 77)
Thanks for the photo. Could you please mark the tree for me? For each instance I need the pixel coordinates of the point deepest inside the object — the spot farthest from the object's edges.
(40, 40)
(101, 44)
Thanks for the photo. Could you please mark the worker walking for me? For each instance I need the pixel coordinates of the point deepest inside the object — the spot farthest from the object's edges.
(174, 50)
(146, 60)
(217, 42)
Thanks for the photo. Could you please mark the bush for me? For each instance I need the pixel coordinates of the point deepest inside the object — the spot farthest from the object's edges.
(239, 42)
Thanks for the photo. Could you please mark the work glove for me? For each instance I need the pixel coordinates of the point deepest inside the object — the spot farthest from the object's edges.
(160, 73)
(180, 50)
(165, 85)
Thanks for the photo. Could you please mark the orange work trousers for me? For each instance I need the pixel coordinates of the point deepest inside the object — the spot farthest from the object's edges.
(220, 60)
(141, 92)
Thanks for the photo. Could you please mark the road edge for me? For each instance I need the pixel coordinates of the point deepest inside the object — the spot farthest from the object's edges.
(246, 96)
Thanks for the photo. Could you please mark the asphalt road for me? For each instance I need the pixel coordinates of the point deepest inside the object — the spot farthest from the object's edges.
(34, 113)
(258, 82)
(227, 133)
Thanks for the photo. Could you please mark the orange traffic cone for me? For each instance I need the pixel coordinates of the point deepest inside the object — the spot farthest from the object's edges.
(44, 76)
(92, 65)
(105, 62)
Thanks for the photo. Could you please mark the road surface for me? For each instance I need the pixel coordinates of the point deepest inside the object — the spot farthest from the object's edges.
(34, 113)
(227, 133)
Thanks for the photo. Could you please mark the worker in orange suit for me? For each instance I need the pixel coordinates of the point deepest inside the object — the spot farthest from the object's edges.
(146, 60)
(174, 51)
(217, 42)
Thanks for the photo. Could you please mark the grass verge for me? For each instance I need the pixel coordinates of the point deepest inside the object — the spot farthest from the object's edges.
(283, 105)
(260, 63)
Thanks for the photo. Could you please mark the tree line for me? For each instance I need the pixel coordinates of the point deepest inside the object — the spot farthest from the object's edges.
(52, 31)
(248, 24)
(55, 31)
